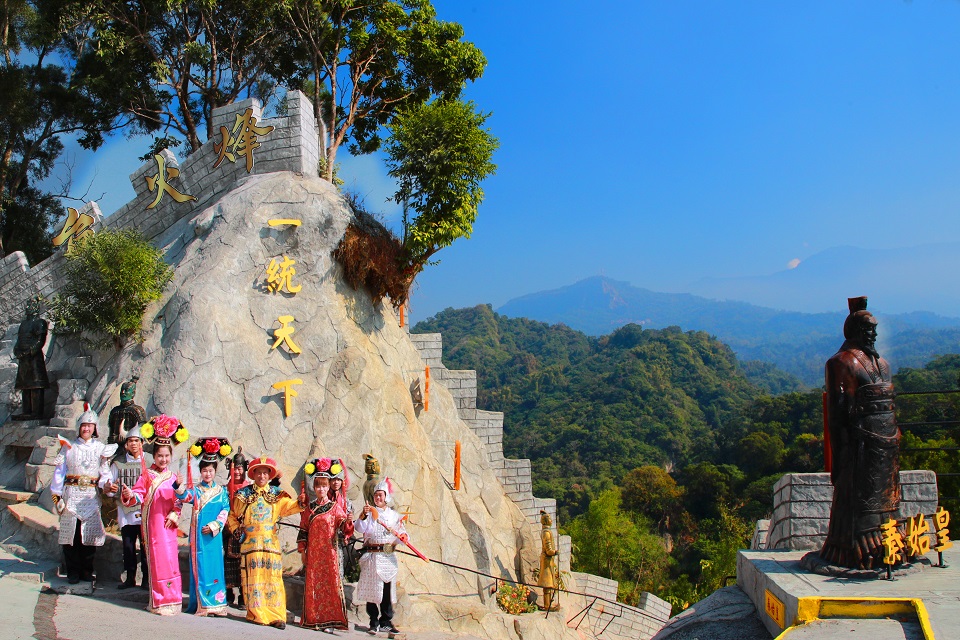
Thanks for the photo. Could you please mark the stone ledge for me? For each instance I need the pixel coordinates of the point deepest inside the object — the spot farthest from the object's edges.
(35, 517)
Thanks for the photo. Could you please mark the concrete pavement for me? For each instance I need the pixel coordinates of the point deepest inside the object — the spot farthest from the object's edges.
(32, 610)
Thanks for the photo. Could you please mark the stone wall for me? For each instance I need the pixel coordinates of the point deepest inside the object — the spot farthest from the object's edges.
(293, 145)
(607, 618)
(801, 506)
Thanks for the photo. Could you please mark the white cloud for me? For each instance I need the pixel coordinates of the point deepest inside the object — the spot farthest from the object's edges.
(793, 264)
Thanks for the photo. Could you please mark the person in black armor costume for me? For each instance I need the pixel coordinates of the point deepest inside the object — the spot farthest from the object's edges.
(237, 468)
(865, 443)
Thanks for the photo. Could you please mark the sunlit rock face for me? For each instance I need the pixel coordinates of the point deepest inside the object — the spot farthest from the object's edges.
(209, 359)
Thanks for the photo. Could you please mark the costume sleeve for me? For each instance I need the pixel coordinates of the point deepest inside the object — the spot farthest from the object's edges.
(59, 474)
(400, 528)
(216, 525)
(236, 512)
(304, 528)
(105, 455)
(287, 506)
(362, 525)
(186, 496)
(110, 479)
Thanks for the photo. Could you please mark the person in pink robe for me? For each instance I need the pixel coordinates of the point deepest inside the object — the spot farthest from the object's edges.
(155, 490)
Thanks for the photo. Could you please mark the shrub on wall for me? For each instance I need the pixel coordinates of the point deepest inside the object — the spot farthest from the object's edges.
(110, 278)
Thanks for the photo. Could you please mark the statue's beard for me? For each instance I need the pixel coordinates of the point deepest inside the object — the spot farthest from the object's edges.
(871, 350)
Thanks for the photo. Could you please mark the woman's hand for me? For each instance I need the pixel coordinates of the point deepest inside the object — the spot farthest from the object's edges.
(171, 521)
(126, 494)
(207, 530)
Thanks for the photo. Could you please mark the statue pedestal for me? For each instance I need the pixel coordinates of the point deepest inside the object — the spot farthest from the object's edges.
(786, 595)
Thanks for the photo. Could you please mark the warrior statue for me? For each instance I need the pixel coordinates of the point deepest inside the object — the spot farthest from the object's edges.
(865, 442)
(371, 466)
(31, 371)
(127, 415)
(549, 576)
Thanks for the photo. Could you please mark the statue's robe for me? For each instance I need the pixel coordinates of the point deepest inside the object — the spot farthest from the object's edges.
(865, 443)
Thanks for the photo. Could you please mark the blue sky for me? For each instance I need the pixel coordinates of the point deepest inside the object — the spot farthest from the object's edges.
(661, 143)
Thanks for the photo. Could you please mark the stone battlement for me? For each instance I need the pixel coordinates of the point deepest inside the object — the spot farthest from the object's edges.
(293, 145)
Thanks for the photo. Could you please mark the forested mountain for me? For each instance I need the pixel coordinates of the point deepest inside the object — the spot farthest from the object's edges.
(587, 410)
(659, 448)
(798, 343)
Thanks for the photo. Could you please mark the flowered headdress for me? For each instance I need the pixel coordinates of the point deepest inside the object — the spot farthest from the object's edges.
(164, 430)
(211, 449)
(325, 468)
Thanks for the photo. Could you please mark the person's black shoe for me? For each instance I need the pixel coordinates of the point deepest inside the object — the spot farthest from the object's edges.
(129, 583)
(73, 579)
(373, 628)
(389, 628)
(87, 577)
(278, 624)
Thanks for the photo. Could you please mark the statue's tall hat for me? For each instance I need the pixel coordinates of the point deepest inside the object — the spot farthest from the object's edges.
(858, 315)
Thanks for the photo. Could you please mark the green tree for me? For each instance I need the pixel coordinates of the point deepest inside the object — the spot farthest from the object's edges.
(109, 279)
(197, 55)
(652, 492)
(52, 84)
(439, 154)
(364, 61)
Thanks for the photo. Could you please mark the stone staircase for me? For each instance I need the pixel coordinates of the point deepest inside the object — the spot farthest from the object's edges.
(601, 618)
(514, 475)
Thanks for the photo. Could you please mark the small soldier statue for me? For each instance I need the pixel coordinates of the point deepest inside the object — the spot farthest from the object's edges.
(127, 415)
(31, 370)
(371, 466)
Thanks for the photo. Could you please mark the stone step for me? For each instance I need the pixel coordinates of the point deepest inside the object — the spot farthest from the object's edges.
(8, 494)
(35, 517)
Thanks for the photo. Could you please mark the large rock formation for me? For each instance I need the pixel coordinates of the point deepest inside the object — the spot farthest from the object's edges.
(208, 357)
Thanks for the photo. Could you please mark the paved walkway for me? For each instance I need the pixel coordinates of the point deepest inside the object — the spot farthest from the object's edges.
(31, 610)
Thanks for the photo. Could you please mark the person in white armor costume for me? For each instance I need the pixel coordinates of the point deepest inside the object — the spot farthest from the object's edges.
(82, 467)
(378, 564)
(125, 471)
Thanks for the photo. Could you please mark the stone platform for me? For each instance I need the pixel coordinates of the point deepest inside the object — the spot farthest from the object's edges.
(786, 596)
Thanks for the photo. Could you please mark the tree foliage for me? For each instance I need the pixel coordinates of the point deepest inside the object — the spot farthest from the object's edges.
(439, 153)
(362, 62)
(109, 279)
(52, 84)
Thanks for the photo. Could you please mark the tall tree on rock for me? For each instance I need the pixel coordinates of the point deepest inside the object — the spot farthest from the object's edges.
(439, 153)
(364, 60)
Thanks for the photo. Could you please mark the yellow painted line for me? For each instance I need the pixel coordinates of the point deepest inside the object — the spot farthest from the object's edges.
(814, 608)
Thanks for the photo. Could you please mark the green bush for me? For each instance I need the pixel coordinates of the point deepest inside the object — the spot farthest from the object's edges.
(110, 278)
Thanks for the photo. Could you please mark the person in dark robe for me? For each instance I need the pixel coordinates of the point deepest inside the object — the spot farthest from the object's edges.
(31, 370)
(865, 443)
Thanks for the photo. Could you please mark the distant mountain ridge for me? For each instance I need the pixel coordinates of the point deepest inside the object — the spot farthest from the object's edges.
(899, 280)
(798, 343)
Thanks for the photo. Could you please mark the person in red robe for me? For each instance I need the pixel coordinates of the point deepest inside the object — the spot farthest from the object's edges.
(323, 602)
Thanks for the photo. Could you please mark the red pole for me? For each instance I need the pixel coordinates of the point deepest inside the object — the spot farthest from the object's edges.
(456, 467)
(426, 391)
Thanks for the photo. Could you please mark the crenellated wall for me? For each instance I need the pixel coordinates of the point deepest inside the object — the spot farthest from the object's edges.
(293, 145)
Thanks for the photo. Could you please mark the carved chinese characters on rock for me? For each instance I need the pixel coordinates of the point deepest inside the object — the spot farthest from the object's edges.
(241, 140)
(160, 182)
(280, 277)
(76, 227)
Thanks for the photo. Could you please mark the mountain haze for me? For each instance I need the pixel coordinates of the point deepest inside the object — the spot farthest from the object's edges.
(798, 343)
